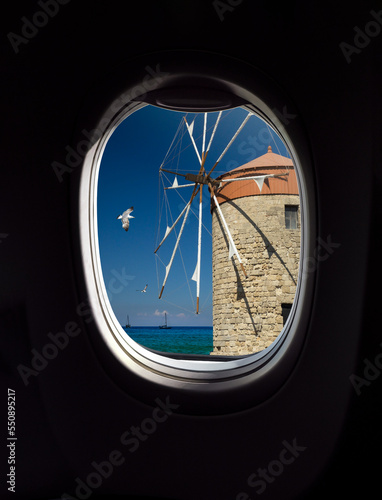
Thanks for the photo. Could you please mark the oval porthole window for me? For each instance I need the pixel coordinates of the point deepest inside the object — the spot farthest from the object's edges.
(199, 230)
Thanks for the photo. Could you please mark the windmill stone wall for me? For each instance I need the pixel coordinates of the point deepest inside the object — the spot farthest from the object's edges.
(248, 312)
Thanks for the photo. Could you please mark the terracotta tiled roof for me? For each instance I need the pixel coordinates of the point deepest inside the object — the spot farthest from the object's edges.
(270, 159)
(283, 182)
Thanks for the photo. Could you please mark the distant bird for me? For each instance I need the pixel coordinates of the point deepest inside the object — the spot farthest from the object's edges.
(144, 290)
(125, 218)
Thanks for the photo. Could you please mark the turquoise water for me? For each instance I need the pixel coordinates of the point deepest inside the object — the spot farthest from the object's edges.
(184, 339)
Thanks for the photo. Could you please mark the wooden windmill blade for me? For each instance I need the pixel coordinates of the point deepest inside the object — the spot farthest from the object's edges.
(196, 275)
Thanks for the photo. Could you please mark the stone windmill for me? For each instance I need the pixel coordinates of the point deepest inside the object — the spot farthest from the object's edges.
(260, 204)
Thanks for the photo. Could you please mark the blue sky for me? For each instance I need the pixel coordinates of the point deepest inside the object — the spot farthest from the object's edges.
(129, 176)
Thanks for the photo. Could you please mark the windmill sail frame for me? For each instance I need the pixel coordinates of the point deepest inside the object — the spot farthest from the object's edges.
(203, 178)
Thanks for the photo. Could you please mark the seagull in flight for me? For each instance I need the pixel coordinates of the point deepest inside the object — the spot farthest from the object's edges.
(125, 218)
(144, 290)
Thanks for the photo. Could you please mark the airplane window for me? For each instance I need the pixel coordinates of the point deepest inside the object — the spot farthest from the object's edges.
(195, 213)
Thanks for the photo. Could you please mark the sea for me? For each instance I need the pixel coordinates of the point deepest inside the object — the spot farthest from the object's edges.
(183, 339)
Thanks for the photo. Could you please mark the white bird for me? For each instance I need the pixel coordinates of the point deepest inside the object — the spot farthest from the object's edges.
(144, 290)
(125, 218)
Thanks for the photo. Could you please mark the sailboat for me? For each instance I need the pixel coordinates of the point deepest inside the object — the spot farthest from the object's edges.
(127, 322)
(165, 327)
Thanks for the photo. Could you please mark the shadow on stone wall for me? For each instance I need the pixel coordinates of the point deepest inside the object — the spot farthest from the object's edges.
(240, 293)
(268, 245)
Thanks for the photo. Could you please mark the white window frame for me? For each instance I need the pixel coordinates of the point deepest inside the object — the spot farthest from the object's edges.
(200, 374)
